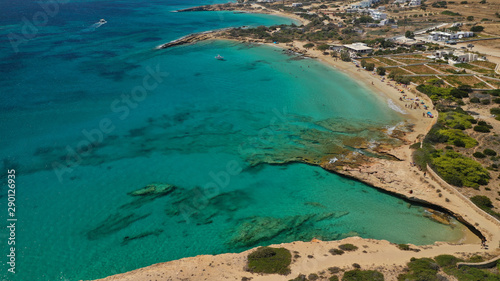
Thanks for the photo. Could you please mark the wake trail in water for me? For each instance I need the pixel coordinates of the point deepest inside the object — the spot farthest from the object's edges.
(95, 26)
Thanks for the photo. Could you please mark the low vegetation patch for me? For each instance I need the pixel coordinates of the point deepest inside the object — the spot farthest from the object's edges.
(459, 170)
(363, 275)
(428, 269)
(436, 93)
(270, 260)
(458, 138)
(404, 247)
(336, 252)
(456, 119)
(421, 269)
(485, 204)
(348, 247)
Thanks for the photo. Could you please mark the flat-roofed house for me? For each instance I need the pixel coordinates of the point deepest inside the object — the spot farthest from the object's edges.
(358, 48)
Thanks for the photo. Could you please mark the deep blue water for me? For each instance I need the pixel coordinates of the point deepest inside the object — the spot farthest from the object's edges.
(89, 113)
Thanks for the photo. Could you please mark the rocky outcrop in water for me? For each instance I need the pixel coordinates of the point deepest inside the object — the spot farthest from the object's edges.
(253, 230)
(154, 189)
(112, 224)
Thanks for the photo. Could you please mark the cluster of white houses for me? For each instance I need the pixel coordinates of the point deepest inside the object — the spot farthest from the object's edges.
(454, 56)
(364, 4)
(409, 2)
(376, 14)
(444, 36)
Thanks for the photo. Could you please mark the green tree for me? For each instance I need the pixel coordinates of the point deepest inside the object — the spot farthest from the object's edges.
(477, 28)
(470, 18)
(370, 66)
(344, 56)
(323, 47)
(308, 45)
(381, 70)
(409, 34)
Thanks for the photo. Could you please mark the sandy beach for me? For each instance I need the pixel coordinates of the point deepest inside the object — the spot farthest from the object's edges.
(397, 177)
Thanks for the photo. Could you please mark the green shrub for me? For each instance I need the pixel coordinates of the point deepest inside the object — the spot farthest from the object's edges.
(458, 136)
(415, 145)
(424, 269)
(370, 66)
(336, 252)
(457, 119)
(476, 258)
(446, 260)
(270, 260)
(475, 100)
(477, 28)
(301, 277)
(485, 101)
(436, 93)
(381, 70)
(459, 170)
(422, 156)
(482, 201)
(459, 143)
(495, 111)
(479, 155)
(404, 247)
(490, 152)
(348, 247)
(308, 45)
(435, 135)
(459, 93)
(334, 278)
(363, 275)
(313, 276)
(450, 13)
(496, 100)
(334, 269)
(323, 47)
(481, 129)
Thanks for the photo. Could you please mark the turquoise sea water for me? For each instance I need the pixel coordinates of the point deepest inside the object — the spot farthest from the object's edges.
(211, 128)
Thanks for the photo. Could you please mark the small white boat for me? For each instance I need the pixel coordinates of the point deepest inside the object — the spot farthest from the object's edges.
(219, 57)
(102, 21)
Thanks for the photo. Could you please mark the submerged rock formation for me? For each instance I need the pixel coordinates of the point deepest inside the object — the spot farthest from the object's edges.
(154, 189)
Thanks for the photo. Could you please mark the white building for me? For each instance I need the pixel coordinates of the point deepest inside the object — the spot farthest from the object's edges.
(443, 36)
(358, 48)
(365, 4)
(296, 5)
(378, 16)
(465, 34)
(442, 53)
(415, 2)
(384, 22)
(463, 57)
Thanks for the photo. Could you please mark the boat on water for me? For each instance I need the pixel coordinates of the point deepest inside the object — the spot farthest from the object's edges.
(102, 21)
(219, 57)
